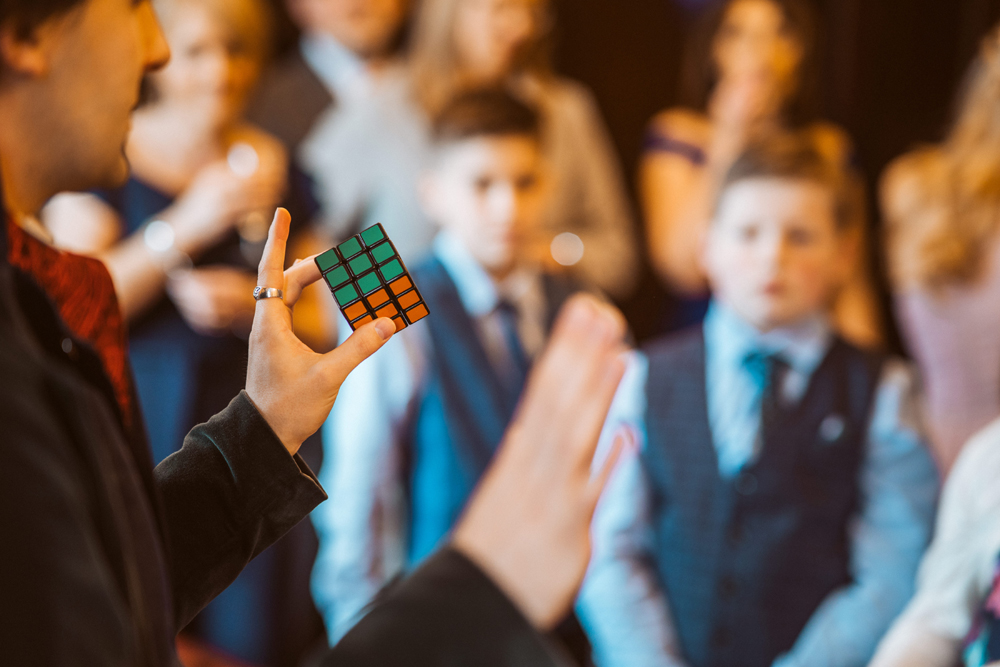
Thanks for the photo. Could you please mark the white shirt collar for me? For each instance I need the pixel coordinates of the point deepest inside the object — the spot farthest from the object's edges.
(344, 74)
(479, 293)
(35, 228)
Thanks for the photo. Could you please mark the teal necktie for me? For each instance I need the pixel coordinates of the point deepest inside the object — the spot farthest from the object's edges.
(769, 371)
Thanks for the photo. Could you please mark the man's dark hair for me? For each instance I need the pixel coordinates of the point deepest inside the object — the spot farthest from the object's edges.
(488, 112)
(794, 156)
(26, 15)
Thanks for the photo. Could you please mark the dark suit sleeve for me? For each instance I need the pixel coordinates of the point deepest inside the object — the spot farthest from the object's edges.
(229, 493)
(448, 612)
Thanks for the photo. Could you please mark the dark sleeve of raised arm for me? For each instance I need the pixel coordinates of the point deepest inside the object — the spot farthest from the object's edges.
(230, 492)
(448, 612)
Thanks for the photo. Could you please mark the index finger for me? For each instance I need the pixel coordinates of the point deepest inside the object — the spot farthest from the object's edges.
(271, 272)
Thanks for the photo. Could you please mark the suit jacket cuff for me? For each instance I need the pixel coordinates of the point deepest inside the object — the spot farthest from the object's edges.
(273, 481)
(447, 612)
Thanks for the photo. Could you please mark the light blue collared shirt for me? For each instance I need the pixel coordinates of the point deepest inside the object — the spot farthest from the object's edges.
(626, 613)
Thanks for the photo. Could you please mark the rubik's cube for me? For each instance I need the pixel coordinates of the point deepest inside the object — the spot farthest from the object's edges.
(369, 280)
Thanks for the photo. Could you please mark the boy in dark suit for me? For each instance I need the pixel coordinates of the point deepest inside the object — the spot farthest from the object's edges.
(415, 430)
(784, 494)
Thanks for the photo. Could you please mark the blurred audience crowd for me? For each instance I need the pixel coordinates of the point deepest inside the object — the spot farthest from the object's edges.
(780, 506)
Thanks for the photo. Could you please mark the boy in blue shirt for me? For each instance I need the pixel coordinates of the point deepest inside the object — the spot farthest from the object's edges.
(783, 493)
(414, 430)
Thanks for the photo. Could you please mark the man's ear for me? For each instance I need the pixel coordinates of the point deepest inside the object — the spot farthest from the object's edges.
(26, 53)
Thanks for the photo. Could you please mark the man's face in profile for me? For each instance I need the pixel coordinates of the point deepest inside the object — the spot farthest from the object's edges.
(82, 70)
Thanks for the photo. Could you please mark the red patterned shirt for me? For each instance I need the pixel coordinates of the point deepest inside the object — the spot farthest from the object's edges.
(84, 294)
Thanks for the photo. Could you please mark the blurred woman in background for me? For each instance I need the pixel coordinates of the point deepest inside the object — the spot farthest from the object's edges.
(368, 159)
(942, 209)
(749, 73)
(182, 240)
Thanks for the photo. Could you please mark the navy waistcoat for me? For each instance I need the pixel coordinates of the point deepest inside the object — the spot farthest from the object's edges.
(463, 412)
(746, 562)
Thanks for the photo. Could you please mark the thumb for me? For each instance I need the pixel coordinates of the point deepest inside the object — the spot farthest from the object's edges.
(362, 344)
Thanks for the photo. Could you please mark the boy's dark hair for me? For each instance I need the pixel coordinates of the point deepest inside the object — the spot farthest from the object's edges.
(485, 112)
(795, 157)
(26, 15)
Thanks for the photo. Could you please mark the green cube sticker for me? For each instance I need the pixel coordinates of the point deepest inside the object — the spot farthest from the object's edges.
(360, 264)
(346, 294)
(368, 283)
(327, 260)
(337, 277)
(392, 270)
(372, 235)
(350, 247)
(383, 252)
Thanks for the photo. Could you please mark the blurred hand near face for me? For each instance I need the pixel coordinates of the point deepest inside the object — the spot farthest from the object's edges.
(220, 198)
(757, 63)
(528, 524)
(214, 301)
(739, 104)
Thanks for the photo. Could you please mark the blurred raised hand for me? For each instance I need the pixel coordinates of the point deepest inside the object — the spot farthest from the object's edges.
(223, 194)
(528, 524)
(215, 300)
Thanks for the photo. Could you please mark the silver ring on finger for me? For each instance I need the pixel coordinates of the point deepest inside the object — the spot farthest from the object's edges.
(267, 293)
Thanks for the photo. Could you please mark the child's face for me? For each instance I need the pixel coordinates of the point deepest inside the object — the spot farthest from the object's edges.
(212, 69)
(774, 252)
(488, 192)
